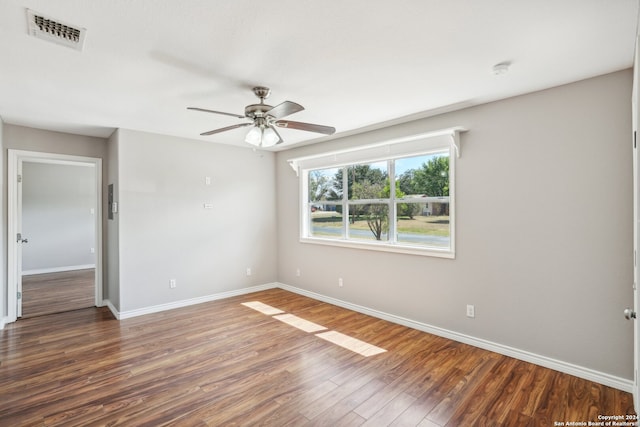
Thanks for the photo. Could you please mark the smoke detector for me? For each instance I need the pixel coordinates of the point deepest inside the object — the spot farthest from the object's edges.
(501, 68)
(56, 31)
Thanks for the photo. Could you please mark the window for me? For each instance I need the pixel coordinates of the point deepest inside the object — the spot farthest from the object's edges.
(422, 200)
(397, 196)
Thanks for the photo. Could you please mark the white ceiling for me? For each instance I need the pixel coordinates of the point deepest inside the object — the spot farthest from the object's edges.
(352, 64)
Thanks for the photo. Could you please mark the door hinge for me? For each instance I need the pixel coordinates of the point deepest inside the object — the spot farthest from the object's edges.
(19, 295)
(19, 178)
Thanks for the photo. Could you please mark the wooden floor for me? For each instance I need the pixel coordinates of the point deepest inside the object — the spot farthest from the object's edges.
(223, 363)
(57, 292)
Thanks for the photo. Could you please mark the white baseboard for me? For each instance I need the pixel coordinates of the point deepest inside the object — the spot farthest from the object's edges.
(111, 308)
(57, 269)
(544, 361)
(184, 303)
(3, 322)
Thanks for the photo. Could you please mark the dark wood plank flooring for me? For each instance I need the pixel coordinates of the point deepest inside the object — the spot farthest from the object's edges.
(221, 363)
(57, 292)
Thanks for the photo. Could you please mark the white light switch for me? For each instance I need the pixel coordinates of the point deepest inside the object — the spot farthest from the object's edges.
(207, 180)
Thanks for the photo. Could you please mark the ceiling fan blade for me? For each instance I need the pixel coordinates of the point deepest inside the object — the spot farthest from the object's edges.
(284, 109)
(211, 132)
(327, 130)
(216, 112)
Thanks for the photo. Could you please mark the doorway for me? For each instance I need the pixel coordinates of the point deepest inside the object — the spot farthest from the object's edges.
(55, 233)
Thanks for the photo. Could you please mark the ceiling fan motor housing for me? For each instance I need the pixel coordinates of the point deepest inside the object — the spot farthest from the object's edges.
(256, 110)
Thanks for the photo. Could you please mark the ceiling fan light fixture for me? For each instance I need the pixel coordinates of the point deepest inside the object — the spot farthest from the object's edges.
(269, 137)
(262, 136)
(254, 136)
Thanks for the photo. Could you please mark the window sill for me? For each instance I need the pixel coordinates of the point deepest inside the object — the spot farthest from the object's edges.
(381, 247)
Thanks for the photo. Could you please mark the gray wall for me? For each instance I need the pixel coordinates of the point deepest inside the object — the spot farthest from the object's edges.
(112, 269)
(31, 139)
(544, 229)
(57, 218)
(166, 233)
(3, 241)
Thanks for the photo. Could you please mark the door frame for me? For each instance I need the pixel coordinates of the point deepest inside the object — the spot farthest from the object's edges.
(15, 159)
(635, 119)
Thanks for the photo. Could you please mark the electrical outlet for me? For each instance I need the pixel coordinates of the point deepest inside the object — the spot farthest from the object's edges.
(297, 272)
(248, 271)
(172, 283)
(340, 282)
(471, 311)
(207, 180)
(92, 250)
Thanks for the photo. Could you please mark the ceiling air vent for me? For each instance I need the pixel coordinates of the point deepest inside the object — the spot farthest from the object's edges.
(46, 28)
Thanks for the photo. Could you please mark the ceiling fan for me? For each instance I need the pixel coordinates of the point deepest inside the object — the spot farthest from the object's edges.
(265, 118)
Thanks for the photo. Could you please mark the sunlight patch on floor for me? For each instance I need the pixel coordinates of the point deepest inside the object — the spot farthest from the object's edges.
(345, 341)
(299, 323)
(262, 308)
(350, 343)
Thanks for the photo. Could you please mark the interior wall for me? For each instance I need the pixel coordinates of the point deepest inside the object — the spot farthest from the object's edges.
(58, 217)
(112, 269)
(3, 240)
(544, 229)
(166, 232)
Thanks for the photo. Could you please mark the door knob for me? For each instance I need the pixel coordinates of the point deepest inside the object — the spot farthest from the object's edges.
(629, 314)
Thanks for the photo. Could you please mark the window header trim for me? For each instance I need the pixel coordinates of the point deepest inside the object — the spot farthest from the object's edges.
(389, 149)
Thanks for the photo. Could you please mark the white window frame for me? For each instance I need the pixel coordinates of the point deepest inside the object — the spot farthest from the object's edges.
(416, 145)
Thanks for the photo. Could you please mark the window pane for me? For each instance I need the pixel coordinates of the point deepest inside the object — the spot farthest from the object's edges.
(322, 185)
(424, 224)
(407, 212)
(426, 175)
(368, 181)
(369, 222)
(326, 221)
